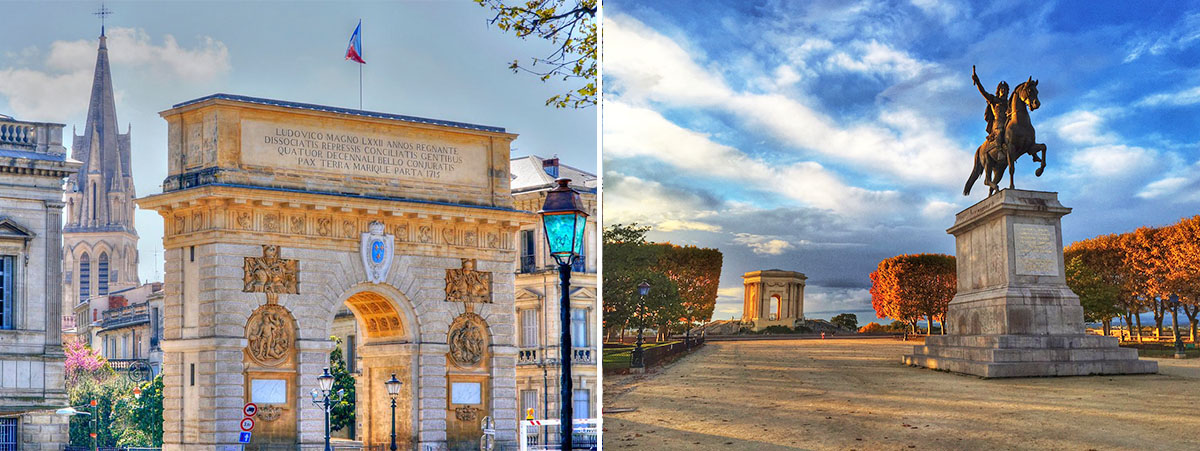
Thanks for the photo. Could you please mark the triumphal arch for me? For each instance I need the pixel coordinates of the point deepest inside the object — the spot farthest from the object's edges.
(277, 215)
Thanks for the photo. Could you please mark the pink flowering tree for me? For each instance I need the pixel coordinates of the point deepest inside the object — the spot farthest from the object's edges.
(82, 361)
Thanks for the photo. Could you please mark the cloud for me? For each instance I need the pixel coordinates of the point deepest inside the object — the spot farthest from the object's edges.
(1083, 127)
(54, 94)
(1184, 97)
(764, 245)
(629, 199)
(643, 66)
(637, 133)
(1111, 160)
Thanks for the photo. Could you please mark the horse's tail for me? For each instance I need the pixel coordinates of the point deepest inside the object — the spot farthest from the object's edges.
(974, 175)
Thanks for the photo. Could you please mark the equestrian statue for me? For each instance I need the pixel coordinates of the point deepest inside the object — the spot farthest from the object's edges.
(1010, 134)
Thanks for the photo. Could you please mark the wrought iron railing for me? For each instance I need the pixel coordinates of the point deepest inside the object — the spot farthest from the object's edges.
(124, 316)
(528, 264)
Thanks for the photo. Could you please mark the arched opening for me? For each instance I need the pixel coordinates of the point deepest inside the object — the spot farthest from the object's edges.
(85, 276)
(776, 307)
(373, 342)
(102, 275)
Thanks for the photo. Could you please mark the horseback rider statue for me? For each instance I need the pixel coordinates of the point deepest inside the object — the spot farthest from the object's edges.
(1010, 134)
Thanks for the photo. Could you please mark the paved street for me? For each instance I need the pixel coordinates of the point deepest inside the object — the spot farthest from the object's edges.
(854, 394)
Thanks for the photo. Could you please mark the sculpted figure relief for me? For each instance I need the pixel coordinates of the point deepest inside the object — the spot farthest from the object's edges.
(467, 284)
(1010, 134)
(271, 274)
(270, 334)
(468, 340)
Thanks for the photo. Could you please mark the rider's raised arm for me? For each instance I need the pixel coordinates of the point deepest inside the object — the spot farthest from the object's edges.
(975, 78)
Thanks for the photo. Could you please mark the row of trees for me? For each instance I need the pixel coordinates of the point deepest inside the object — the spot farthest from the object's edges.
(1124, 275)
(910, 287)
(683, 282)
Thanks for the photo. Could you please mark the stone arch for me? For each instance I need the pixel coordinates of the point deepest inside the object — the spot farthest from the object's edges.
(382, 312)
(776, 307)
(389, 329)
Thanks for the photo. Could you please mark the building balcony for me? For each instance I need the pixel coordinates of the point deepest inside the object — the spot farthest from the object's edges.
(583, 356)
(527, 357)
(126, 316)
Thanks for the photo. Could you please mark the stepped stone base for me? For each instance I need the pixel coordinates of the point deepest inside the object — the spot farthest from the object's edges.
(994, 356)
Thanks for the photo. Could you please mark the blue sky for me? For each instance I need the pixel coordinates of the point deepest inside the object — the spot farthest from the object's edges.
(430, 59)
(824, 136)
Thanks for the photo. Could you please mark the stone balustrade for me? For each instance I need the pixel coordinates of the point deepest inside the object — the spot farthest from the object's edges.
(527, 357)
(39, 137)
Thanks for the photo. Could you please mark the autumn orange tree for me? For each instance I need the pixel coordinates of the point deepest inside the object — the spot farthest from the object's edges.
(1182, 257)
(909, 287)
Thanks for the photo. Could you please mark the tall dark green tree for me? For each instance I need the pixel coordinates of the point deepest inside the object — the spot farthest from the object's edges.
(341, 415)
(846, 321)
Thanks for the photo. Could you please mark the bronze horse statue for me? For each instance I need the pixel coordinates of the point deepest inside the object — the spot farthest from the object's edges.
(991, 157)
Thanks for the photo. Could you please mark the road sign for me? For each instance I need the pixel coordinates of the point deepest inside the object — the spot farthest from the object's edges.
(244, 437)
(250, 409)
(247, 424)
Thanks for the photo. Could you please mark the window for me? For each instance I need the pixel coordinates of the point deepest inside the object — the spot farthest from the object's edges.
(85, 277)
(7, 274)
(192, 253)
(137, 345)
(155, 323)
(192, 375)
(351, 355)
(579, 329)
(579, 264)
(93, 201)
(102, 275)
(529, 400)
(8, 434)
(124, 346)
(581, 403)
(528, 255)
(529, 328)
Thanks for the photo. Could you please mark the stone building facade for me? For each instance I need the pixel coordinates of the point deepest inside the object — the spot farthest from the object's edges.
(33, 164)
(537, 297)
(773, 297)
(278, 214)
(99, 241)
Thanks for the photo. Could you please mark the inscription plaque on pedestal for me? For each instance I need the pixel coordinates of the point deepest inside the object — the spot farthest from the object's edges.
(1036, 246)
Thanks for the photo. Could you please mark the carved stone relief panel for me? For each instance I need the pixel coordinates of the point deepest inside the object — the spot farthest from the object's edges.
(271, 334)
(271, 274)
(467, 284)
(468, 340)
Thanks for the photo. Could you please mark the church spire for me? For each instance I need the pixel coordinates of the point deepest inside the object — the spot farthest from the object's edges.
(105, 182)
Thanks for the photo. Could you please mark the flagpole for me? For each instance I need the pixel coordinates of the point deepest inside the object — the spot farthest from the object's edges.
(360, 86)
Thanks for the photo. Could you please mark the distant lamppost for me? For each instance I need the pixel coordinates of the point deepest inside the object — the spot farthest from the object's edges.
(637, 359)
(564, 220)
(95, 426)
(323, 399)
(393, 389)
(70, 411)
(1174, 300)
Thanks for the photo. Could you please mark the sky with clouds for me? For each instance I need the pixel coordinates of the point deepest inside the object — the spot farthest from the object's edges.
(429, 59)
(823, 136)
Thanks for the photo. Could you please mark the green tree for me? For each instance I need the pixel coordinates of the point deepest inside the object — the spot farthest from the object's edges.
(341, 415)
(627, 259)
(1098, 296)
(112, 395)
(142, 417)
(845, 321)
(697, 274)
(570, 28)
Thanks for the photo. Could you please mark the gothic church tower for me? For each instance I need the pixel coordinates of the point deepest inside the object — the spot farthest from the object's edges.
(99, 241)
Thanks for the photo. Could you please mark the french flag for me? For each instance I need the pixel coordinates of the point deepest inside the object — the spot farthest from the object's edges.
(354, 51)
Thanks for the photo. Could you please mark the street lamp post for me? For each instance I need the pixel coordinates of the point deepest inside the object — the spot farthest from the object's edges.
(1174, 299)
(564, 219)
(323, 399)
(393, 390)
(95, 429)
(637, 359)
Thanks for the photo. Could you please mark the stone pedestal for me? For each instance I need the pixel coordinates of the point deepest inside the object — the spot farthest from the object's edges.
(1014, 315)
